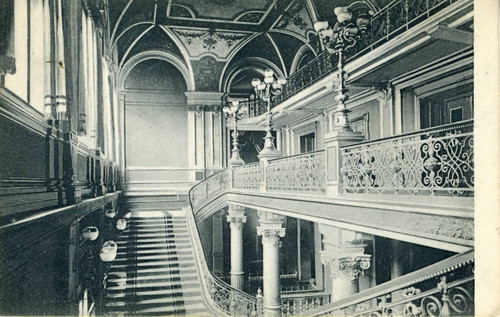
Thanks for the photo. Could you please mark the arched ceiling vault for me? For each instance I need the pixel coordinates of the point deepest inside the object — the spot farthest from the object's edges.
(208, 35)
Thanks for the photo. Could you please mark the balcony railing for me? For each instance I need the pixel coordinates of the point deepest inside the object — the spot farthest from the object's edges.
(394, 19)
(247, 176)
(298, 173)
(445, 288)
(437, 161)
(226, 298)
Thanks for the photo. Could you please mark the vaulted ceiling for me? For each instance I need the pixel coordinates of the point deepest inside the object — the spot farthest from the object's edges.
(212, 35)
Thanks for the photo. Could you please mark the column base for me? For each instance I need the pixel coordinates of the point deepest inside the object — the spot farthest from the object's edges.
(237, 280)
(274, 310)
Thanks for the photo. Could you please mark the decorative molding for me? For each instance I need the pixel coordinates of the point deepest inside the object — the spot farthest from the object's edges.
(199, 42)
(205, 108)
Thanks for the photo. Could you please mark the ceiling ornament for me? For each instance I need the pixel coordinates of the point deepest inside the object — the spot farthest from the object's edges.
(295, 19)
(199, 42)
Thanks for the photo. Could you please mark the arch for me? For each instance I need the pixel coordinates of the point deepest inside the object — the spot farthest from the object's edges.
(244, 64)
(301, 51)
(170, 58)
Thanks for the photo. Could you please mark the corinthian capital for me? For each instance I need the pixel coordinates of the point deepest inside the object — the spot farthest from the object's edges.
(270, 227)
(236, 215)
(271, 235)
(349, 268)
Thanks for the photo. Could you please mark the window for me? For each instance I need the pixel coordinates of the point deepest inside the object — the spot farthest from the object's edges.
(308, 142)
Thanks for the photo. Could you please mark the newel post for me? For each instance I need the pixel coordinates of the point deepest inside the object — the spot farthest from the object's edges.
(333, 143)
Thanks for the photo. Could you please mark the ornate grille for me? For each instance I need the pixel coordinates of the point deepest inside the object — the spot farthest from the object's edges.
(303, 173)
(437, 161)
(247, 176)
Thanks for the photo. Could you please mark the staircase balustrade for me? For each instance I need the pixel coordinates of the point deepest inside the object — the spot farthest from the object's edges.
(436, 161)
(299, 304)
(395, 18)
(226, 298)
(445, 288)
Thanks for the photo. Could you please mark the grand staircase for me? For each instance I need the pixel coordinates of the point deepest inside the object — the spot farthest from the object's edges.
(154, 272)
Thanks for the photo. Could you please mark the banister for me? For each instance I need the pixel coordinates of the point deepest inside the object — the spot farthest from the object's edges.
(432, 271)
(445, 127)
(226, 298)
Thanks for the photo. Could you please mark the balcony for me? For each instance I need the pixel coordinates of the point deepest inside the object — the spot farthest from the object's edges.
(423, 180)
(432, 162)
(396, 18)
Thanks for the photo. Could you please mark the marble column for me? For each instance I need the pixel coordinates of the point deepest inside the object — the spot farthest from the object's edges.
(236, 217)
(344, 253)
(271, 231)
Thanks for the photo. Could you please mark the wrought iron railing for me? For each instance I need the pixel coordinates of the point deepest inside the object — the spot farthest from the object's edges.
(226, 298)
(248, 176)
(436, 161)
(302, 173)
(445, 288)
(392, 20)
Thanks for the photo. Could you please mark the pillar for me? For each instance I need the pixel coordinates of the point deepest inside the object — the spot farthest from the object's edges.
(236, 217)
(344, 253)
(270, 230)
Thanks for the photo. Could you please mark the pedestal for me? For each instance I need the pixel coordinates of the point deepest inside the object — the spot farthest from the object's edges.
(333, 142)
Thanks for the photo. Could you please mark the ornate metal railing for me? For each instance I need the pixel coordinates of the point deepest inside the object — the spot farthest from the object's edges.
(247, 176)
(395, 18)
(215, 183)
(226, 298)
(303, 173)
(255, 107)
(445, 288)
(301, 303)
(437, 161)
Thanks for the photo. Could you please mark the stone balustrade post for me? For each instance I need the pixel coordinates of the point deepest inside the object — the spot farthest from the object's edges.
(333, 142)
(236, 217)
(344, 253)
(271, 231)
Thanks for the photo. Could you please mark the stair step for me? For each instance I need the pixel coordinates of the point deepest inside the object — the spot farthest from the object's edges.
(152, 288)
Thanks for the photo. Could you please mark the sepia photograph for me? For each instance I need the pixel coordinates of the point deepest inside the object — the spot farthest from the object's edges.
(249, 158)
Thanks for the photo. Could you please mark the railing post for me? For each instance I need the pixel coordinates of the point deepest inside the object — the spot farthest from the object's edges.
(333, 142)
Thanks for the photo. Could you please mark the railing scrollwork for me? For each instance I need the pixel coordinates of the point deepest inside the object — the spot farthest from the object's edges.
(437, 161)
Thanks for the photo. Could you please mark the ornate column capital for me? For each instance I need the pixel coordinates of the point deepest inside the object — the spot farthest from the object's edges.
(236, 216)
(349, 268)
(270, 227)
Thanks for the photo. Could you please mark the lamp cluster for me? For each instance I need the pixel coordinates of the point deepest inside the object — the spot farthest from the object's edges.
(265, 90)
(346, 32)
(234, 110)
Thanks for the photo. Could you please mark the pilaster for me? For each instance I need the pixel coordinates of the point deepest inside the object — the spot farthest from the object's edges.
(204, 133)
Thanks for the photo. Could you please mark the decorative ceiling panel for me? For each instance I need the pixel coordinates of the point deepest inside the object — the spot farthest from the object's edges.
(296, 19)
(234, 11)
(200, 42)
(156, 40)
